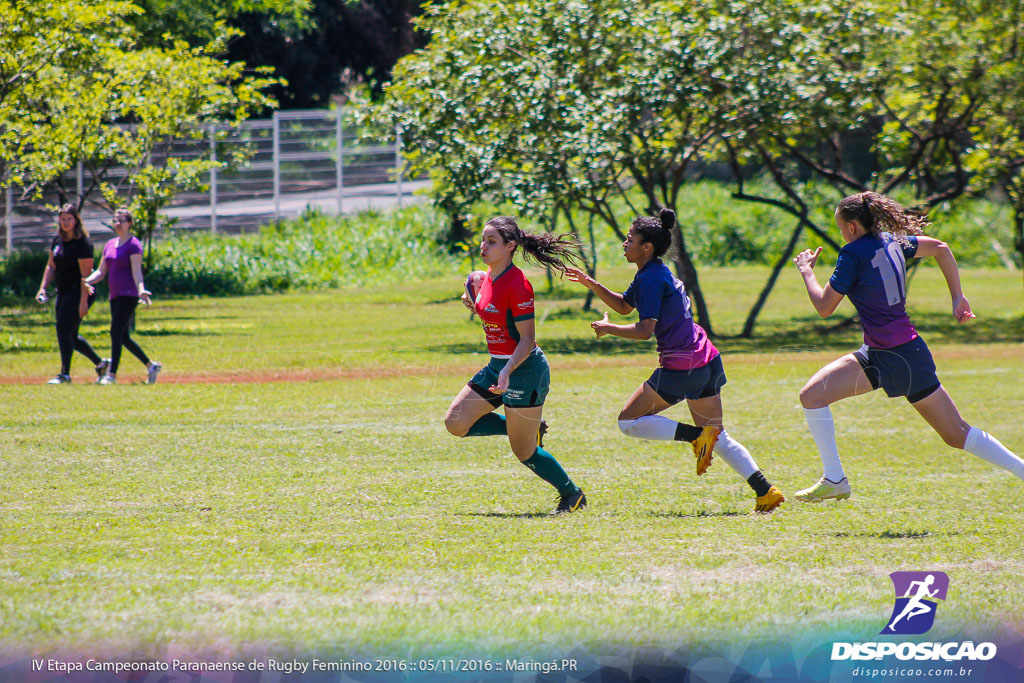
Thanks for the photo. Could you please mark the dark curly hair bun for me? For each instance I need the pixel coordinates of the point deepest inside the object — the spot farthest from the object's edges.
(668, 218)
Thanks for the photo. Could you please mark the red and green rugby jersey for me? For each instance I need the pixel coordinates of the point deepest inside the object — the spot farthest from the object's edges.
(502, 301)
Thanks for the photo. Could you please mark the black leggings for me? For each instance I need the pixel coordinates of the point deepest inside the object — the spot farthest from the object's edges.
(121, 310)
(68, 338)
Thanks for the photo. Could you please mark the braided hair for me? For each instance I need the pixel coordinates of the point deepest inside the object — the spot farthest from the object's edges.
(656, 231)
(546, 249)
(877, 214)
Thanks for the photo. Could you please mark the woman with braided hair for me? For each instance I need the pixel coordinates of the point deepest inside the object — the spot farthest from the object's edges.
(690, 367)
(518, 375)
(880, 236)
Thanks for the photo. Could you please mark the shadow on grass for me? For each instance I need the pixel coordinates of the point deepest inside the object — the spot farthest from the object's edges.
(22, 348)
(563, 345)
(25, 321)
(161, 332)
(889, 534)
(506, 515)
(694, 515)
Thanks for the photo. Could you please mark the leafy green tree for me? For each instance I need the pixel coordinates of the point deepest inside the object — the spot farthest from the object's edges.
(837, 98)
(557, 107)
(997, 157)
(39, 40)
(115, 105)
(199, 22)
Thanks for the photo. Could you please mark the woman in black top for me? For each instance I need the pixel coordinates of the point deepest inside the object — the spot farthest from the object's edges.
(70, 261)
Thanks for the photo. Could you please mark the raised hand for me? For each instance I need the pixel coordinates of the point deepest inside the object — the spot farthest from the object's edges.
(577, 275)
(601, 326)
(807, 258)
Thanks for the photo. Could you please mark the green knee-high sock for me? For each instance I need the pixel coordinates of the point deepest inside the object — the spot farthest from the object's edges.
(547, 468)
(490, 424)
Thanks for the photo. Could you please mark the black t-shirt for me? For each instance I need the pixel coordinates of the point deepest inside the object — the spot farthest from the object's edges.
(65, 257)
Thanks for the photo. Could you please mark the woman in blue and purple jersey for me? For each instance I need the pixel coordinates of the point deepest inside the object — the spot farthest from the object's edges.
(880, 236)
(690, 367)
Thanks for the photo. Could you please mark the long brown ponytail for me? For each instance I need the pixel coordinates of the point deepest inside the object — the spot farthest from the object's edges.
(878, 214)
(546, 249)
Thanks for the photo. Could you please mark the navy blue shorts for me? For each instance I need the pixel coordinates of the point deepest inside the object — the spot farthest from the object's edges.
(904, 370)
(675, 385)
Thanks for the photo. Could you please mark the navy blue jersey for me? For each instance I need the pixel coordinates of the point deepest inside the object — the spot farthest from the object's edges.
(872, 271)
(656, 294)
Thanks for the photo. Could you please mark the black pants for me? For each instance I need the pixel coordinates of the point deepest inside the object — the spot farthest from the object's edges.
(68, 338)
(121, 310)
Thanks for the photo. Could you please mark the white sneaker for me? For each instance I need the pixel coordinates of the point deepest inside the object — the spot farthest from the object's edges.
(107, 379)
(824, 490)
(60, 379)
(153, 371)
(102, 368)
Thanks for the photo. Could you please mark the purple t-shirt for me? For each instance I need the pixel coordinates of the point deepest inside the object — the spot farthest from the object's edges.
(872, 271)
(656, 293)
(119, 267)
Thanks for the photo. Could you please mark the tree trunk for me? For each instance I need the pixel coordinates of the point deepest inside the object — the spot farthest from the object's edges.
(457, 232)
(592, 264)
(1018, 221)
(686, 272)
(748, 326)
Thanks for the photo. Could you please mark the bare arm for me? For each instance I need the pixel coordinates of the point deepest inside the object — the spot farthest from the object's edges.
(611, 299)
(48, 272)
(824, 299)
(84, 267)
(642, 329)
(97, 275)
(136, 260)
(940, 251)
(527, 340)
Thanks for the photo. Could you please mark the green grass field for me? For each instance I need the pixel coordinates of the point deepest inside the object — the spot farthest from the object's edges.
(290, 483)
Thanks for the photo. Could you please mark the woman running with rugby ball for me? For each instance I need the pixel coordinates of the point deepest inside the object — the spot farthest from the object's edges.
(518, 375)
(880, 236)
(690, 366)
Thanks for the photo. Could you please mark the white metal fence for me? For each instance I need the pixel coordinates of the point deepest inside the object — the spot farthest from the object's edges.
(297, 160)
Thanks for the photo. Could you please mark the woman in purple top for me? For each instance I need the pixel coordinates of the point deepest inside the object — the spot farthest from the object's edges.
(690, 367)
(122, 260)
(70, 260)
(880, 236)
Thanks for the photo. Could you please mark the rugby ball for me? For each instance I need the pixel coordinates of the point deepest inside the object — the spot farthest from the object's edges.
(474, 281)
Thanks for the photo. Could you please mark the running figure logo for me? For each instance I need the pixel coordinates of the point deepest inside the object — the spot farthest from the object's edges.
(917, 595)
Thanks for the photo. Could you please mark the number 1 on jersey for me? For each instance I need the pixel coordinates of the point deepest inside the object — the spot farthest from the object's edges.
(894, 277)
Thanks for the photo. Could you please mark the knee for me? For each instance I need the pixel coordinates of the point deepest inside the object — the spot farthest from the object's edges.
(811, 397)
(454, 426)
(955, 436)
(524, 451)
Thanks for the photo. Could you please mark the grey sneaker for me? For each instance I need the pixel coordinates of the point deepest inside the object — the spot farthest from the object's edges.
(102, 368)
(107, 379)
(60, 379)
(824, 490)
(153, 371)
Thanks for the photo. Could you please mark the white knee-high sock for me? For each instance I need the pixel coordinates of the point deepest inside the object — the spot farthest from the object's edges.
(653, 427)
(988, 448)
(734, 453)
(819, 421)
